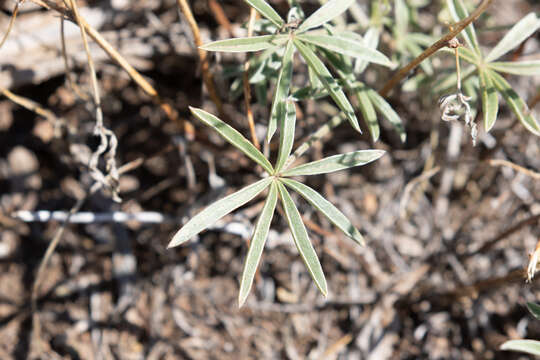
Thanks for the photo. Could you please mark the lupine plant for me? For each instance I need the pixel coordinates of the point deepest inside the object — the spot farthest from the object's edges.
(277, 180)
(347, 54)
(293, 35)
(303, 36)
(488, 69)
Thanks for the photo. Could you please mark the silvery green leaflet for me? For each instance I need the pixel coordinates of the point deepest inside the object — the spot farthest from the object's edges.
(308, 40)
(487, 68)
(277, 181)
(338, 49)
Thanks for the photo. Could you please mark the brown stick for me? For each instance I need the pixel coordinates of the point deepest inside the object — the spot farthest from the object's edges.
(30, 105)
(247, 88)
(205, 65)
(521, 169)
(69, 75)
(91, 67)
(488, 245)
(442, 42)
(482, 286)
(221, 18)
(11, 21)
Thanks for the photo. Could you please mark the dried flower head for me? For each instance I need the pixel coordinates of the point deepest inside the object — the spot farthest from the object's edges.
(456, 105)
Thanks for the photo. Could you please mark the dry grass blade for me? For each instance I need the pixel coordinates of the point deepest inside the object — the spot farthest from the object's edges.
(247, 88)
(11, 21)
(32, 106)
(203, 56)
(521, 169)
(91, 67)
(69, 75)
(107, 137)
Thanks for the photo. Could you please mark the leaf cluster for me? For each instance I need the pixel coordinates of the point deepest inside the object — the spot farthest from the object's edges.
(347, 54)
(278, 181)
(488, 68)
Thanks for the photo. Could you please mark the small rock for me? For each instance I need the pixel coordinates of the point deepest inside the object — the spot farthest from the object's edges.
(22, 161)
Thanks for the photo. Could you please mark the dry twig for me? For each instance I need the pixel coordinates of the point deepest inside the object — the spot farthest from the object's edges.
(203, 56)
(247, 88)
(107, 137)
(32, 106)
(439, 44)
(11, 21)
(221, 17)
(521, 169)
(69, 75)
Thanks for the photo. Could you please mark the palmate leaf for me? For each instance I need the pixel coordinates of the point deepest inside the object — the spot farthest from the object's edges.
(267, 11)
(518, 106)
(515, 36)
(217, 210)
(282, 88)
(527, 346)
(286, 134)
(347, 46)
(325, 13)
(335, 163)
(260, 233)
(526, 68)
(326, 208)
(459, 12)
(330, 84)
(247, 44)
(301, 239)
(368, 99)
(490, 100)
(233, 137)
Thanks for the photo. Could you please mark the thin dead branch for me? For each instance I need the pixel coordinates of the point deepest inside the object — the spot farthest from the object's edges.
(247, 88)
(18, 4)
(107, 137)
(69, 74)
(521, 169)
(203, 56)
(439, 44)
(221, 17)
